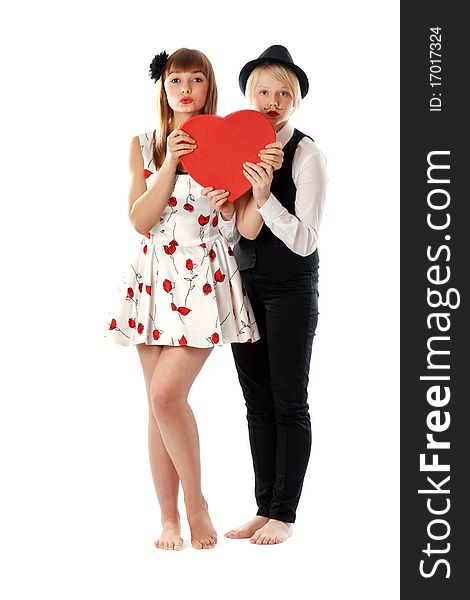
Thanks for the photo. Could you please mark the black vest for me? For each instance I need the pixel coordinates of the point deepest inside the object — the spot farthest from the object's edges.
(267, 253)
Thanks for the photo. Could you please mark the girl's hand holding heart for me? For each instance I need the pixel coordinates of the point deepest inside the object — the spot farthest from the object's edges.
(272, 156)
(178, 144)
(218, 201)
(260, 179)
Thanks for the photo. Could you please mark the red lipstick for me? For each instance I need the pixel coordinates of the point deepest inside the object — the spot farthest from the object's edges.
(272, 113)
(186, 100)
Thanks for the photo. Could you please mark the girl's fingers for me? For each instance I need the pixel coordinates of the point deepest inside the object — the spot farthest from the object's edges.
(180, 133)
(259, 170)
(216, 196)
(214, 200)
(254, 166)
(216, 193)
(272, 152)
(271, 160)
(220, 203)
(265, 165)
(253, 176)
(206, 190)
(249, 176)
(183, 152)
(182, 146)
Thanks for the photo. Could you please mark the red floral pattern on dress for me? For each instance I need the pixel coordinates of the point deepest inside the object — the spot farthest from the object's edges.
(190, 265)
(214, 338)
(168, 285)
(183, 310)
(219, 276)
(185, 256)
(171, 248)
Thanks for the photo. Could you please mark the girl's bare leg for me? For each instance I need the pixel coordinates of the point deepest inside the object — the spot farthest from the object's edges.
(176, 369)
(165, 477)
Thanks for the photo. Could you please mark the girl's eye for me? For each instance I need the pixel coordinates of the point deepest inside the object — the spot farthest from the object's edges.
(175, 80)
(283, 93)
(263, 93)
(198, 79)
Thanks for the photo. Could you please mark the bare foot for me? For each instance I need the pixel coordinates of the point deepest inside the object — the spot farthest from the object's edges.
(274, 532)
(248, 529)
(170, 538)
(203, 534)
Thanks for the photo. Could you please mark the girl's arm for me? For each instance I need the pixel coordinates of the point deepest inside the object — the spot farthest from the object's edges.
(227, 222)
(146, 205)
(249, 219)
(300, 231)
(237, 217)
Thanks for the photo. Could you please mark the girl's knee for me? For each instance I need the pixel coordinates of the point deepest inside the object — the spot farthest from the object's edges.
(164, 398)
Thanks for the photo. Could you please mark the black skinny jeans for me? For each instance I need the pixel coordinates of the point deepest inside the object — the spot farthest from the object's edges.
(273, 373)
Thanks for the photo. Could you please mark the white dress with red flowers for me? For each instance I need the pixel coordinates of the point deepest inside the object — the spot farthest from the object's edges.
(183, 287)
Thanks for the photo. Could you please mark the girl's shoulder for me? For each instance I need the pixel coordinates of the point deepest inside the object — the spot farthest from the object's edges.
(307, 156)
(145, 139)
(304, 141)
(146, 147)
(308, 148)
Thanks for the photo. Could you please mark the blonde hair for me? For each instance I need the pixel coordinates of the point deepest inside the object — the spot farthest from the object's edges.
(282, 73)
(183, 59)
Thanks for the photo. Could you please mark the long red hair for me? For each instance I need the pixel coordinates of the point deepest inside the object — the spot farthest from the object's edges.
(183, 59)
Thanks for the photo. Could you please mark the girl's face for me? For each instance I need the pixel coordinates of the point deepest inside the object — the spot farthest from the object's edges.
(186, 91)
(273, 99)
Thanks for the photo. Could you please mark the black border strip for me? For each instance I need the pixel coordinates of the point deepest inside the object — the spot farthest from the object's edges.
(435, 268)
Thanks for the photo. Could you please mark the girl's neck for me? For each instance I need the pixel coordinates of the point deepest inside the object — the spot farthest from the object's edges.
(277, 128)
(180, 118)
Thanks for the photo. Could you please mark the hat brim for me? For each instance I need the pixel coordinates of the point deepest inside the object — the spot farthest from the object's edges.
(251, 66)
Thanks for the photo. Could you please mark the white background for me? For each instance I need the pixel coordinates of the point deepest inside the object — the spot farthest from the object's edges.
(78, 511)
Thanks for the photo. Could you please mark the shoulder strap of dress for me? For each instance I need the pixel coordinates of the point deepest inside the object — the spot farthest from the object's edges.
(146, 147)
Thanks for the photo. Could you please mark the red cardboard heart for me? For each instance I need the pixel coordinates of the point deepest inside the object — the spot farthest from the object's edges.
(223, 145)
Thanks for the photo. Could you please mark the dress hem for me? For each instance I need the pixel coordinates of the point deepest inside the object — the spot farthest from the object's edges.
(158, 343)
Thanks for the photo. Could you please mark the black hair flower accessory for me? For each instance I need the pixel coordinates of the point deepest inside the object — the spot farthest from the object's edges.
(157, 66)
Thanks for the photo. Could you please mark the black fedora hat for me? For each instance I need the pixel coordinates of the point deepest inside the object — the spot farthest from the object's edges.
(275, 54)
